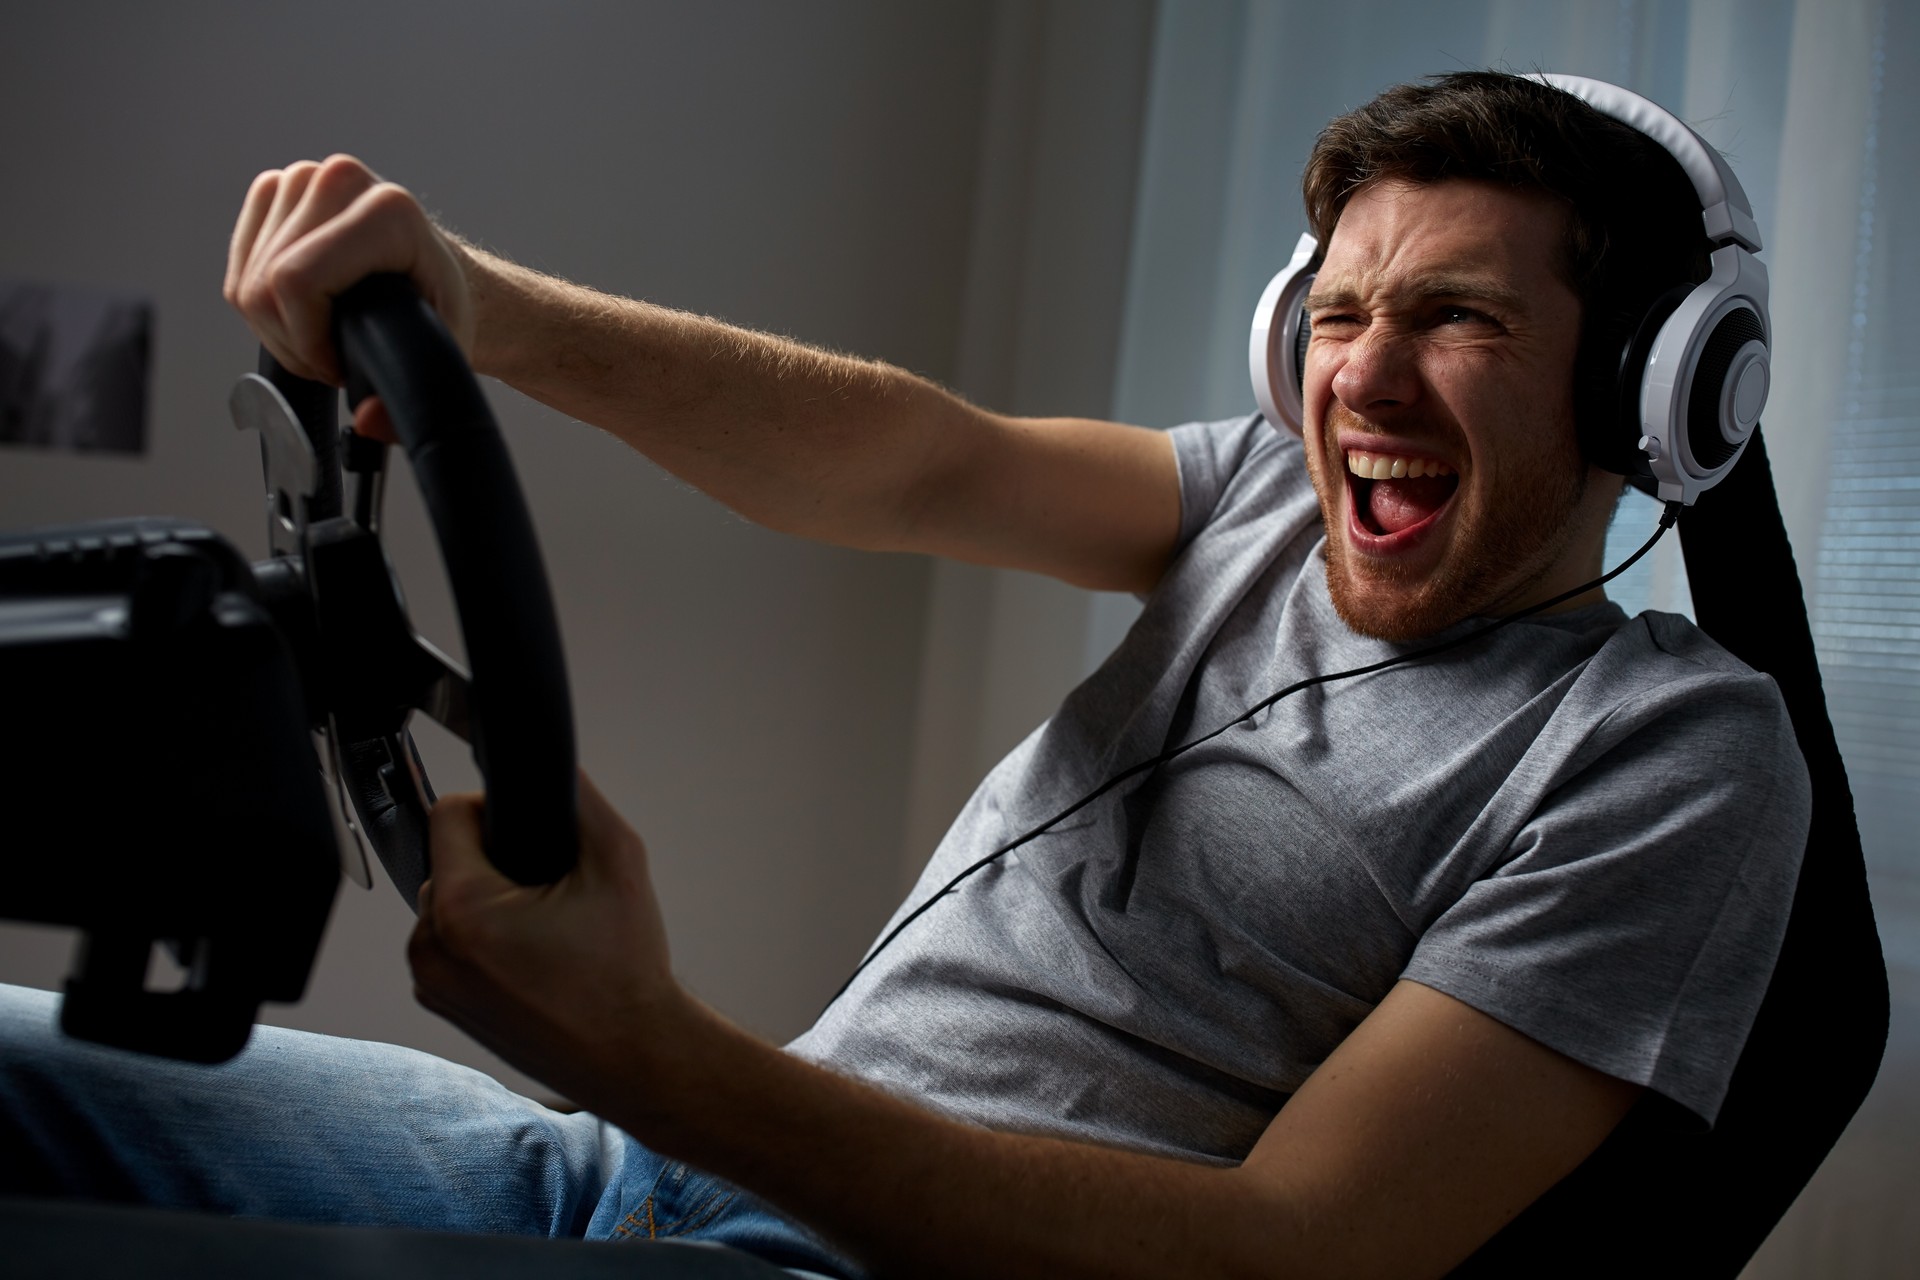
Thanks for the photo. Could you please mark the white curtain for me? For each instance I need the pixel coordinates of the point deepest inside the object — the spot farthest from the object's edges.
(1813, 103)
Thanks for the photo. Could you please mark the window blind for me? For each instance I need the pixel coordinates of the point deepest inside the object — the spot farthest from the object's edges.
(1867, 612)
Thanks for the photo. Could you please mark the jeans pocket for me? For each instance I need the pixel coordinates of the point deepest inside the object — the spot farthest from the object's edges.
(681, 1201)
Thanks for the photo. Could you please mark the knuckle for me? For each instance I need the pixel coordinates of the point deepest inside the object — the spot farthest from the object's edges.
(253, 295)
(342, 174)
(285, 294)
(295, 179)
(290, 275)
(390, 200)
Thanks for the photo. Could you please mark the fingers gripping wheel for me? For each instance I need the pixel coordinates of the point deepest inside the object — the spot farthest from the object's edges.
(373, 672)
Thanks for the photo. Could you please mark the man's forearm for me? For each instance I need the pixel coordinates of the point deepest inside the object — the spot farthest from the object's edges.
(911, 1193)
(830, 447)
(801, 440)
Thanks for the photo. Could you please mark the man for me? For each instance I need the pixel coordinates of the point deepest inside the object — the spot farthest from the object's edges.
(1340, 991)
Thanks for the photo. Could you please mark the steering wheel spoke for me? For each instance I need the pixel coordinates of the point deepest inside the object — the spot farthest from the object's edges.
(346, 824)
(391, 793)
(288, 458)
(447, 696)
(365, 459)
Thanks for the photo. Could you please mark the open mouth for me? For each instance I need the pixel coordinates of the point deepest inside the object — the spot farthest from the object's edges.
(1395, 494)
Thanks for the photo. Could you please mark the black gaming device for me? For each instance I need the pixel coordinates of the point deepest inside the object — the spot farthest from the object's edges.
(195, 746)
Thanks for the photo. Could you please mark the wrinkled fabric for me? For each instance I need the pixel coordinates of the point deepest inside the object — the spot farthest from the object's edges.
(1586, 827)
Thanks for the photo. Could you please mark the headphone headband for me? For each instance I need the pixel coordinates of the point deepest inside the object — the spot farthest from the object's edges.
(1725, 211)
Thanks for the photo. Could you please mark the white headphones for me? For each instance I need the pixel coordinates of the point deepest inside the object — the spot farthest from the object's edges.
(1698, 367)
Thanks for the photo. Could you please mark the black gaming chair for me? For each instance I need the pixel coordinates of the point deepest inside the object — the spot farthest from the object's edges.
(1661, 1196)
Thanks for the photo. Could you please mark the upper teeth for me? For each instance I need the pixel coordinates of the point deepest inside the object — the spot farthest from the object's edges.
(1393, 466)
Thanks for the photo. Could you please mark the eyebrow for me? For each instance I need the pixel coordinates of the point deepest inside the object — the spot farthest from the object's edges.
(1436, 288)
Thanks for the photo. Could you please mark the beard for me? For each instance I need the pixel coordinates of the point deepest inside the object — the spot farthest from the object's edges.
(1506, 535)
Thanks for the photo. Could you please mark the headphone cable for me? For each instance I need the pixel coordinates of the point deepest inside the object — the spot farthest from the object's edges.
(1668, 517)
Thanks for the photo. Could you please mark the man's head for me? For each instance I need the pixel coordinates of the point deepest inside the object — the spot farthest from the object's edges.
(1489, 243)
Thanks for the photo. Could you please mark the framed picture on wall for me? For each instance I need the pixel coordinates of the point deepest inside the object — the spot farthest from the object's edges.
(73, 368)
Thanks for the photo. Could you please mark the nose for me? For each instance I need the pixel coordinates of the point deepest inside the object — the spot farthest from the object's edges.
(1377, 371)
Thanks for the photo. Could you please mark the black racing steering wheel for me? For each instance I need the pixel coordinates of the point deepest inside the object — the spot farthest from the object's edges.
(333, 594)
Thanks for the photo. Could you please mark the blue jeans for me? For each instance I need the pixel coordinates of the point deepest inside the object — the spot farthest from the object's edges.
(309, 1128)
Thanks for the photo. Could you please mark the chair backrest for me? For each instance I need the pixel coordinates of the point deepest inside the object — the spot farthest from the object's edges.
(1661, 1193)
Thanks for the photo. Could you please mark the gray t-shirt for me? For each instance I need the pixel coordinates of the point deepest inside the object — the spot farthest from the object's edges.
(1587, 827)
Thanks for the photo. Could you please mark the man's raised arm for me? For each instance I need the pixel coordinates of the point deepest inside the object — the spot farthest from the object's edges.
(801, 440)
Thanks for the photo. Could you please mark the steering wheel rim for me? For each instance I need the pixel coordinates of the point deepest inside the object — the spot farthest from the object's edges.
(392, 344)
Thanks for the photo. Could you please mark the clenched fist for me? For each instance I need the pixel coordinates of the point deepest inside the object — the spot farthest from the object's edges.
(313, 230)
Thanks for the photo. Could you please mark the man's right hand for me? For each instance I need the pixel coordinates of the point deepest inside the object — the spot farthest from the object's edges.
(313, 230)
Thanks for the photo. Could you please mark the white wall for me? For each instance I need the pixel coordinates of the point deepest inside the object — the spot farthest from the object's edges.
(748, 700)
(1053, 220)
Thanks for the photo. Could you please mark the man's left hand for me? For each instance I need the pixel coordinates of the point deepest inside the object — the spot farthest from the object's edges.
(570, 981)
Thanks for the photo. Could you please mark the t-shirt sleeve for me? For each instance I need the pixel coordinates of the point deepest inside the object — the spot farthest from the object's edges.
(1634, 921)
(1210, 455)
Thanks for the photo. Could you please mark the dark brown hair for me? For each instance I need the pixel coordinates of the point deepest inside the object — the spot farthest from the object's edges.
(1630, 209)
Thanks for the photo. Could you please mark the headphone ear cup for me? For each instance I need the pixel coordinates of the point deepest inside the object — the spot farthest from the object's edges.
(1302, 336)
(1729, 388)
(1706, 376)
(1614, 367)
(1277, 345)
(1606, 333)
